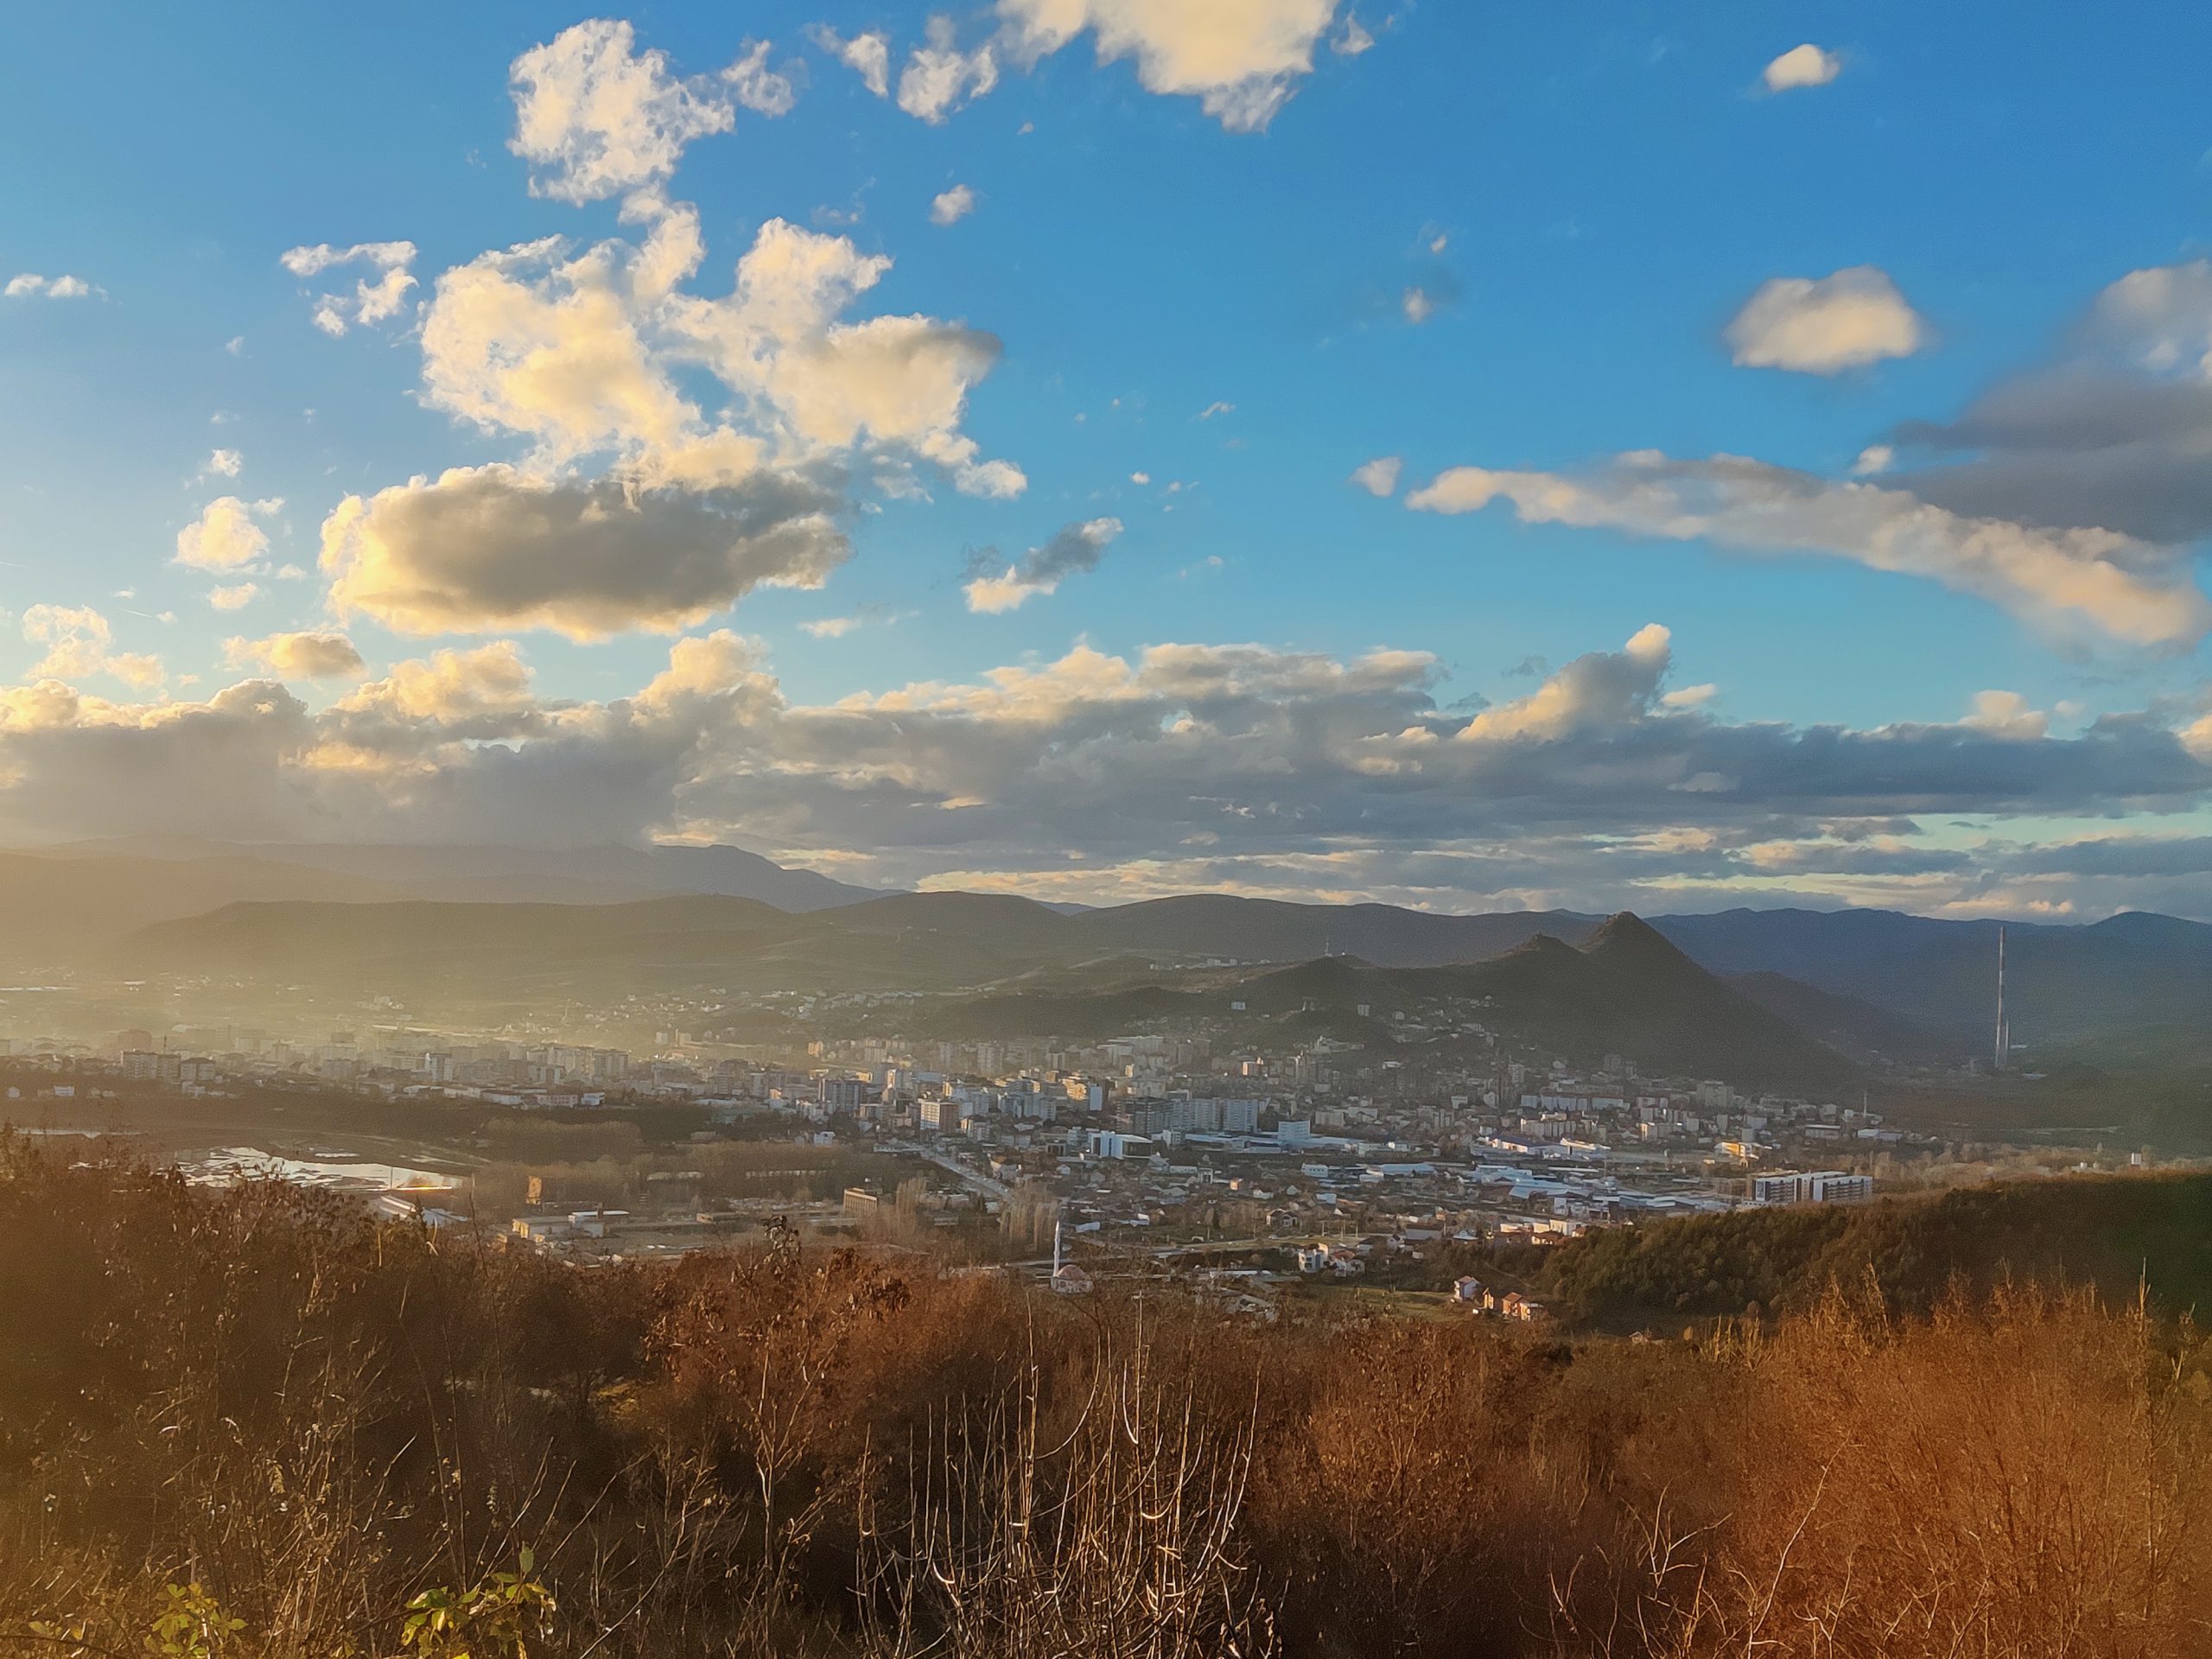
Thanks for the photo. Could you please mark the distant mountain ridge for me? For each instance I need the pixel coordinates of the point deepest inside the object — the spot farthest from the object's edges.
(1878, 983)
(498, 875)
(1624, 990)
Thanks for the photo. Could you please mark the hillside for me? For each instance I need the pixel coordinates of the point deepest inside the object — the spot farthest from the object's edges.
(1626, 992)
(1629, 991)
(505, 874)
(1851, 1025)
(2108, 1231)
(52, 907)
(417, 951)
(1211, 925)
(2063, 984)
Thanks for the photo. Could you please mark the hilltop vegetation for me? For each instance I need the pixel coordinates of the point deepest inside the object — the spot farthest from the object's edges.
(308, 1423)
(2110, 1233)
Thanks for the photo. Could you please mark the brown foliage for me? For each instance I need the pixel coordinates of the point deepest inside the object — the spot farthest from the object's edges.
(318, 1418)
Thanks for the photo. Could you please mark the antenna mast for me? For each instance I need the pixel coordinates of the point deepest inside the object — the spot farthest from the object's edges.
(2003, 1034)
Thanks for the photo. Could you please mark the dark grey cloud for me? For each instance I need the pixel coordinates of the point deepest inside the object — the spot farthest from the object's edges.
(2078, 447)
(490, 548)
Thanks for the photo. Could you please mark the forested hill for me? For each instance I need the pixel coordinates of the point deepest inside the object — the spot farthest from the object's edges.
(2112, 1233)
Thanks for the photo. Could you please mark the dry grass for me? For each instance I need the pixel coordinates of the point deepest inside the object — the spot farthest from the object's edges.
(317, 1421)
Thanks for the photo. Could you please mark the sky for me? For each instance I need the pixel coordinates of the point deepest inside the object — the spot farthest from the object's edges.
(1467, 456)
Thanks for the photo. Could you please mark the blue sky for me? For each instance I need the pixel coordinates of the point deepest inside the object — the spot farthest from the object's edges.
(1524, 241)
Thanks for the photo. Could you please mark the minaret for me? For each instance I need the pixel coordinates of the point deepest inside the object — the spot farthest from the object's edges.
(2004, 1035)
(1056, 1249)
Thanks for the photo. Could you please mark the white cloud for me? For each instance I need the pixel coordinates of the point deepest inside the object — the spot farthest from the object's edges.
(831, 627)
(1801, 66)
(1417, 306)
(1379, 477)
(2160, 316)
(1352, 39)
(1873, 460)
(2007, 715)
(939, 77)
(225, 538)
(1217, 407)
(597, 118)
(234, 597)
(993, 588)
(77, 641)
(584, 355)
(27, 285)
(760, 89)
(867, 55)
(1243, 58)
(372, 300)
(487, 687)
(307, 656)
(950, 207)
(1825, 325)
(2064, 580)
(1139, 478)
(225, 463)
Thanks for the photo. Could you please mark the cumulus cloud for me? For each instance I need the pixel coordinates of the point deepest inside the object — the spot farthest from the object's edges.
(596, 118)
(225, 463)
(374, 299)
(994, 586)
(867, 55)
(1242, 59)
(79, 642)
(28, 285)
(682, 447)
(1417, 305)
(489, 547)
(950, 207)
(1181, 766)
(2007, 715)
(483, 690)
(939, 77)
(1801, 66)
(1379, 477)
(1826, 325)
(1353, 39)
(225, 537)
(2065, 580)
(1600, 689)
(300, 656)
(236, 596)
(585, 355)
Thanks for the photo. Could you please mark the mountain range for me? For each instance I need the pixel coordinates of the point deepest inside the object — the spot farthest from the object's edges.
(519, 921)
